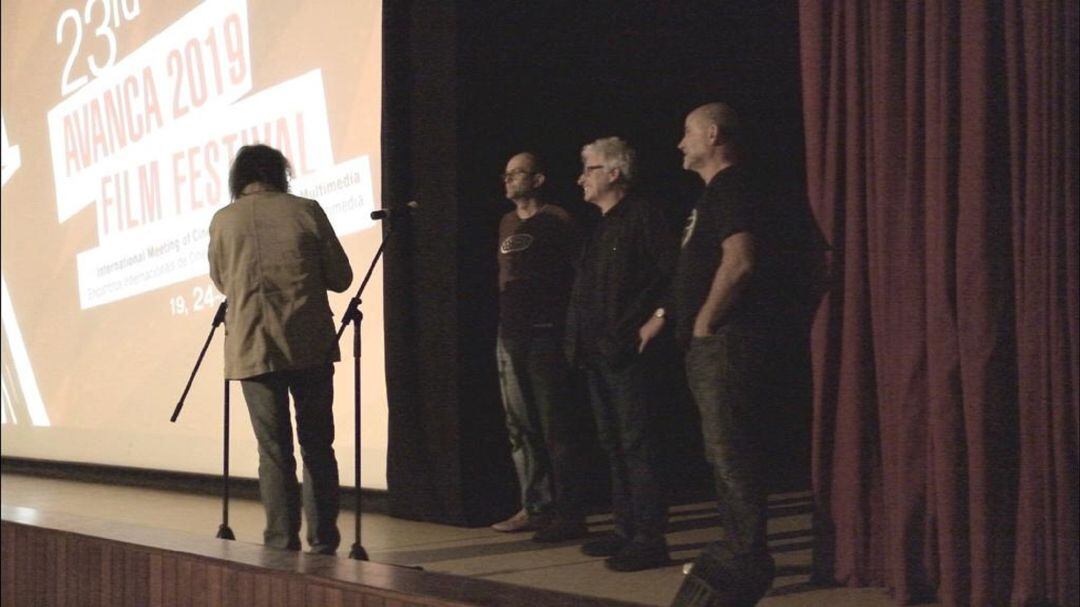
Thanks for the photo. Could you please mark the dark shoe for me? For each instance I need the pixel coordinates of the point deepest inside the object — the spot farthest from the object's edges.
(637, 556)
(562, 529)
(607, 545)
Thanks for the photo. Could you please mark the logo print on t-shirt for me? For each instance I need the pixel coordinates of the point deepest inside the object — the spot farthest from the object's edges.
(516, 243)
(688, 231)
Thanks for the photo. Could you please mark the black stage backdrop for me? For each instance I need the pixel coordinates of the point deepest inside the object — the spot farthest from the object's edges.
(468, 84)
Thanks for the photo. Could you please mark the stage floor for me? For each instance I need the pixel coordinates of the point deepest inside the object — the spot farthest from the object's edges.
(482, 553)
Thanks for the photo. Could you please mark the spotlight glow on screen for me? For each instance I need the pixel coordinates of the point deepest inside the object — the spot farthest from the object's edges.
(120, 121)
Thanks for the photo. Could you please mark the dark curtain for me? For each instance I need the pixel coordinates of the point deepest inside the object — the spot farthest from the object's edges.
(448, 457)
(942, 167)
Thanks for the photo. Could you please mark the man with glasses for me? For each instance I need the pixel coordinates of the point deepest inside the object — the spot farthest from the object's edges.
(614, 315)
(537, 243)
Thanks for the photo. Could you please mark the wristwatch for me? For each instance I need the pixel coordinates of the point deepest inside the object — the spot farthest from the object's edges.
(660, 313)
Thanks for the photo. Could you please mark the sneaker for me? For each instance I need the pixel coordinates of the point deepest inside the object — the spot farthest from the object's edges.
(562, 529)
(637, 556)
(606, 545)
(522, 521)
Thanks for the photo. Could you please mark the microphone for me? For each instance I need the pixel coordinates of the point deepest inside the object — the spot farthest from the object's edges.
(408, 208)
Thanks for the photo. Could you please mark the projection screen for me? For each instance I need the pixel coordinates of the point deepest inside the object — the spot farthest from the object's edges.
(120, 120)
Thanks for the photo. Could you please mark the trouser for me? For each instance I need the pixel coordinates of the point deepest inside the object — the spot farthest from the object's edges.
(267, 399)
(622, 406)
(724, 375)
(542, 419)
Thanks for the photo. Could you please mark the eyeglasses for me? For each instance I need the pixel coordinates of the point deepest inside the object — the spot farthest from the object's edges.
(507, 176)
(590, 168)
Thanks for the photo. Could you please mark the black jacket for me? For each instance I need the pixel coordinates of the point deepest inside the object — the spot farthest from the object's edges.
(623, 273)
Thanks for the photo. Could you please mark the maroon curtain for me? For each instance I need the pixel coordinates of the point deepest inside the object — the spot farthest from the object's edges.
(942, 165)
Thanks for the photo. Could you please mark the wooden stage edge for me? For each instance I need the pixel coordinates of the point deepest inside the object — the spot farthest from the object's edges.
(62, 559)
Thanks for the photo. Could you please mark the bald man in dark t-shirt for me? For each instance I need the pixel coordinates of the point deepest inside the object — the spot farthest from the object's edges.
(721, 324)
(537, 244)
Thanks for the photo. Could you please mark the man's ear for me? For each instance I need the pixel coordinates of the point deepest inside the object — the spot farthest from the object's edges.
(538, 180)
(715, 137)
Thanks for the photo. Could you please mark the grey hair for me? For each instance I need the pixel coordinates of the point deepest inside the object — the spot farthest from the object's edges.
(615, 153)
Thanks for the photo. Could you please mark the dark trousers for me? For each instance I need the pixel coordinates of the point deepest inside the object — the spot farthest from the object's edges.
(544, 423)
(724, 373)
(267, 399)
(622, 406)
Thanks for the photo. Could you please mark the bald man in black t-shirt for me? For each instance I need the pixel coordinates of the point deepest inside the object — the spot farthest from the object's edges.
(537, 244)
(721, 321)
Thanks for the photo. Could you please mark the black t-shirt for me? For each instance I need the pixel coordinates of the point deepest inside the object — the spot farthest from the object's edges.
(726, 207)
(535, 271)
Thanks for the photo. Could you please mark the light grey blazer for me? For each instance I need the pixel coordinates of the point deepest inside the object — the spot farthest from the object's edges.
(275, 256)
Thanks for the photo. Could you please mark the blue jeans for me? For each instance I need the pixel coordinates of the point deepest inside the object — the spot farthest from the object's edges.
(267, 399)
(624, 415)
(724, 372)
(545, 436)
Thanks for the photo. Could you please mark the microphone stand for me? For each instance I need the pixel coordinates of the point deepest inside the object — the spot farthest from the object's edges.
(224, 532)
(354, 316)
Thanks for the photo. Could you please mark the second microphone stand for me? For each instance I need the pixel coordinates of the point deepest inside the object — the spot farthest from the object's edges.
(354, 316)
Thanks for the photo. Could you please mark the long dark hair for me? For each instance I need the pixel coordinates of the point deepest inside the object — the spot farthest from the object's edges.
(259, 164)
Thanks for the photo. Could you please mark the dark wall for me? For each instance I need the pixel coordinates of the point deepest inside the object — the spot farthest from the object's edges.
(553, 76)
(470, 83)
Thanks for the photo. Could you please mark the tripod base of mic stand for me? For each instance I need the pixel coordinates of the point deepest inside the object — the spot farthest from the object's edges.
(224, 533)
(358, 553)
